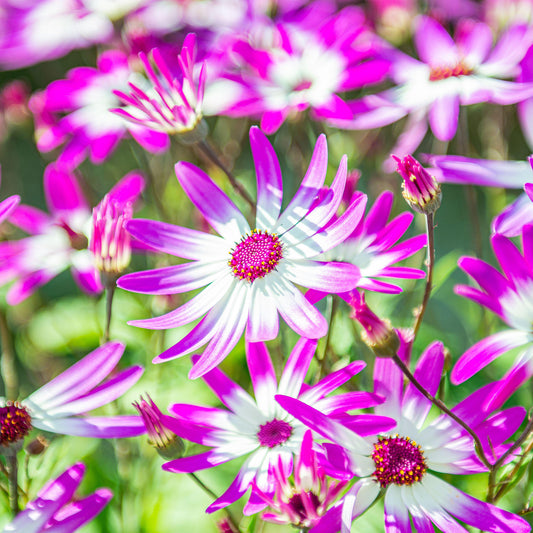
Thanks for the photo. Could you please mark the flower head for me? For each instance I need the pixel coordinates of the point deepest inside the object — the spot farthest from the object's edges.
(56, 508)
(249, 274)
(401, 463)
(259, 428)
(172, 104)
(56, 405)
(419, 188)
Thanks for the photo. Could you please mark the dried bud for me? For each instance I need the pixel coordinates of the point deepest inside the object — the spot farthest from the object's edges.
(167, 444)
(37, 446)
(420, 190)
(378, 333)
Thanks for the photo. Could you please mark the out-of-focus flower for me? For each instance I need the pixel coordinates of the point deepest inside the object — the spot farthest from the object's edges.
(39, 31)
(378, 333)
(56, 509)
(491, 173)
(303, 500)
(171, 103)
(59, 240)
(509, 295)
(400, 464)
(302, 67)
(258, 428)
(8, 205)
(56, 405)
(167, 443)
(372, 247)
(419, 188)
(452, 73)
(249, 274)
(393, 18)
(502, 14)
(77, 110)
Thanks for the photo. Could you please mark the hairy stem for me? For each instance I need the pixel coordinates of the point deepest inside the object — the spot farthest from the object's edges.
(429, 279)
(13, 485)
(435, 401)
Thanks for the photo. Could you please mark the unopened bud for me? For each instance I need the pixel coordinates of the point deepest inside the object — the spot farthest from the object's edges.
(419, 188)
(378, 333)
(167, 443)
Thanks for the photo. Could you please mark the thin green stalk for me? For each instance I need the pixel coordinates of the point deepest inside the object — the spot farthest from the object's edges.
(7, 365)
(208, 491)
(430, 266)
(13, 485)
(109, 293)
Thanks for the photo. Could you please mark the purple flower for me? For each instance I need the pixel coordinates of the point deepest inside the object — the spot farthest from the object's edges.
(55, 406)
(59, 240)
(452, 73)
(88, 126)
(56, 509)
(300, 66)
(249, 273)
(509, 295)
(400, 464)
(373, 247)
(169, 103)
(304, 500)
(259, 428)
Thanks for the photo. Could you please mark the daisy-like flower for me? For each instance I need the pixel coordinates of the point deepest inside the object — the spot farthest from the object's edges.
(374, 249)
(305, 66)
(59, 240)
(259, 428)
(56, 509)
(55, 406)
(304, 500)
(400, 464)
(171, 104)
(450, 74)
(249, 273)
(77, 111)
(507, 294)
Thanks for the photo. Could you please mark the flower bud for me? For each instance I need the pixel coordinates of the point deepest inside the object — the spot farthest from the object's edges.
(167, 444)
(377, 333)
(419, 188)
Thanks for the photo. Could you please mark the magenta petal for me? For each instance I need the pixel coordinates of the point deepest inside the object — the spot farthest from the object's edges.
(263, 375)
(396, 512)
(330, 277)
(332, 381)
(62, 191)
(272, 120)
(484, 352)
(296, 368)
(269, 183)
(30, 219)
(512, 219)
(212, 202)
(27, 285)
(198, 462)
(7, 206)
(98, 426)
(434, 44)
(443, 117)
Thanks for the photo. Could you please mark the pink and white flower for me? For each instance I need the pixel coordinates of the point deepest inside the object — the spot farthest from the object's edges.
(259, 428)
(249, 274)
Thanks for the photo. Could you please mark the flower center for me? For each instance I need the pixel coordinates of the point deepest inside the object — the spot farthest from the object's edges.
(441, 73)
(398, 460)
(274, 433)
(15, 423)
(256, 255)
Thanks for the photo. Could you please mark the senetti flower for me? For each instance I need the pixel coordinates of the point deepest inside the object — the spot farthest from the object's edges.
(56, 509)
(305, 67)
(303, 500)
(507, 294)
(170, 104)
(61, 239)
(56, 405)
(451, 73)
(374, 249)
(77, 111)
(259, 428)
(399, 464)
(249, 274)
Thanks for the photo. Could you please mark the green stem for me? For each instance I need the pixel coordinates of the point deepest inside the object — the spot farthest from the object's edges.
(110, 286)
(435, 401)
(7, 365)
(429, 279)
(12, 478)
(208, 491)
(323, 362)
